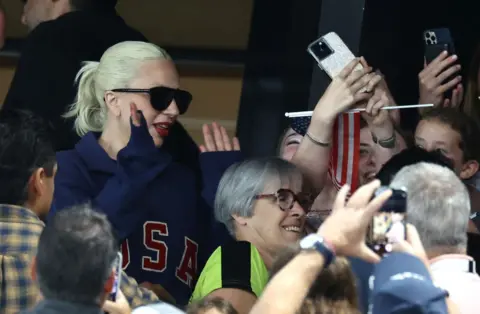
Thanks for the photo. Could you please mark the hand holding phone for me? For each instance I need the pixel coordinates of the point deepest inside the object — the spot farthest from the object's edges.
(388, 225)
(117, 269)
(440, 82)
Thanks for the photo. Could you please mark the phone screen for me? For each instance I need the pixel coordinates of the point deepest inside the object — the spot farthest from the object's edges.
(389, 223)
(117, 269)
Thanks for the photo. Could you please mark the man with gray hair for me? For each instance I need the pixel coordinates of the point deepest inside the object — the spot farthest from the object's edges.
(438, 205)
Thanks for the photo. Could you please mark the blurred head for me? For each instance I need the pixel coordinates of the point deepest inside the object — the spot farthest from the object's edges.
(455, 135)
(333, 290)
(258, 201)
(211, 306)
(408, 157)
(78, 244)
(471, 104)
(27, 162)
(124, 76)
(289, 143)
(374, 156)
(38, 11)
(438, 205)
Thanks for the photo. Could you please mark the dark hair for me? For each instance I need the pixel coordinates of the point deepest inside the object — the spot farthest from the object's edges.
(203, 305)
(460, 122)
(75, 255)
(409, 157)
(93, 4)
(25, 146)
(334, 289)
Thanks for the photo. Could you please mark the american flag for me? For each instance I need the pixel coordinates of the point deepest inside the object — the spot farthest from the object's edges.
(345, 148)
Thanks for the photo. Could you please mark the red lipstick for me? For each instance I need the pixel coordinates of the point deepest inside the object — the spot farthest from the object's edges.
(162, 128)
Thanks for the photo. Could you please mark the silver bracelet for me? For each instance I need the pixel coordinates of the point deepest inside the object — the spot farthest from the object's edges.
(315, 141)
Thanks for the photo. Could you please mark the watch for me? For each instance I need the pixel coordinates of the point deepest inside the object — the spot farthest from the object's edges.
(318, 243)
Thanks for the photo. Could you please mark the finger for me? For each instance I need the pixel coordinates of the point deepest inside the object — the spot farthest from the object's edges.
(374, 206)
(357, 75)
(431, 67)
(454, 101)
(363, 195)
(444, 64)
(134, 115)
(371, 102)
(374, 82)
(361, 97)
(109, 307)
(367, 255)
(446, 103)
(459, 100)
(447, 73)
(236, 144)
(362, 83)
(208, 138)
(348, 69)
(226, 139)
(341, 197)
(377, 107)
(443, 88)
(403, 246)
(414, 238)
(364, 62)
(217, 135)
(202, 148)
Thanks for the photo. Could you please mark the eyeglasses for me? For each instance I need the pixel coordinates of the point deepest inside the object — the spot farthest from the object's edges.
(161, 97)
(286, 198)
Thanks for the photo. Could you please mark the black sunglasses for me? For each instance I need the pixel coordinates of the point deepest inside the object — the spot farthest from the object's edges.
(161, 97)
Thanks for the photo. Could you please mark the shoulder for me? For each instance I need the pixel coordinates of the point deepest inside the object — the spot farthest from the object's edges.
(71, 167)
(235, 265)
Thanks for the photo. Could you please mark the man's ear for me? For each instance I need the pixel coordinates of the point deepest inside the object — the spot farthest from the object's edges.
(37, 183)
(469, 169)
(111, 100)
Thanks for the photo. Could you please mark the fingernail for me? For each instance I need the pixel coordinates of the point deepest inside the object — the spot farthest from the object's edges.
(445, 52)
(454, 57)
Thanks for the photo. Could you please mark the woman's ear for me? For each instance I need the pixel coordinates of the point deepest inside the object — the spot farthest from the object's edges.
(242, 221)
(111, 101)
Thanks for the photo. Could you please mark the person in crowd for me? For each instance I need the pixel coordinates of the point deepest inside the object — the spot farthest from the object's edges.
(211, 306)
(455, 135)
(27, 171)
(332, 292)
(125, 108)
(471, 105)
(261, 203)
(343, 234)
(438, 205)
(63, 34)
(74, 263)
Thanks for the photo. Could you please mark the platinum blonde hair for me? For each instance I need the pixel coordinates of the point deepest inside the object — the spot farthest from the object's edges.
(117, 67)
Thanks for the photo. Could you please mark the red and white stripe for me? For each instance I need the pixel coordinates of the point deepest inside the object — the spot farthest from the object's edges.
(345, 151)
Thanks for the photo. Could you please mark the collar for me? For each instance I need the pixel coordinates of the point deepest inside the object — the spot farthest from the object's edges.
(17, 214)
(453, 263)
(94, 156)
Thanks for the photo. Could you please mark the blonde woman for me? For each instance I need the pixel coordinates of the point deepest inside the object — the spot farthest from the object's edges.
(126, 106)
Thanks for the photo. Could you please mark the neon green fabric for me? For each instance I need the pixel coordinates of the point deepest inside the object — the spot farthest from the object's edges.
(236, 265)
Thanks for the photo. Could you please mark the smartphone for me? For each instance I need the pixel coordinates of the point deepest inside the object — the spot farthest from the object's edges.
(475, 218)
(331, 54)
(436, 41)
(117, 268)
(389, 223)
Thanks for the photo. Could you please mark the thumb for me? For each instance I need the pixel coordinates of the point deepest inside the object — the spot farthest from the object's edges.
(366, 254)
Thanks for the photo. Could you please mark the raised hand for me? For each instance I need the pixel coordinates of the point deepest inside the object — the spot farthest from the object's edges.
(346, 228)
(217, 140)
(432, 82)
(351, 86)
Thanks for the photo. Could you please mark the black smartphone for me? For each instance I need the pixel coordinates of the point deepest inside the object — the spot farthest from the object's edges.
(436, 41)
(389, 223)
(475, 218)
